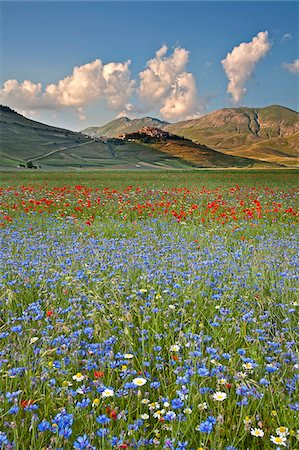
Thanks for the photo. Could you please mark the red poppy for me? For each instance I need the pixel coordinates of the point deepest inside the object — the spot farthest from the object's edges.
(113, 414)
(98, 374)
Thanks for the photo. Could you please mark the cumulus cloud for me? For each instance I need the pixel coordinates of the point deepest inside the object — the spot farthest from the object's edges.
(87, 83)
(240, 63)
(286, 37)
(166, 85)
(292, 67)
(26, 95)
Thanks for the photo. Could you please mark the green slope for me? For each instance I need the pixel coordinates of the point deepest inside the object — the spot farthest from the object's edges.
(123, 125)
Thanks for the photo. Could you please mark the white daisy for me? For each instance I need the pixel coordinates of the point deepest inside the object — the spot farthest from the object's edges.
(282, 431)
(219, 396)
(139, 381)
(257, 432)
(107, 393)
(280, 440)
(174, 348)
(78, 377)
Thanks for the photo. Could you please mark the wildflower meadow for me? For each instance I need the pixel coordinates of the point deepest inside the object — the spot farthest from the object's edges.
(149, 310)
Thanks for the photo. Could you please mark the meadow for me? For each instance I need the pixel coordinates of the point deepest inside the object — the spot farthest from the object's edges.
(149, 310)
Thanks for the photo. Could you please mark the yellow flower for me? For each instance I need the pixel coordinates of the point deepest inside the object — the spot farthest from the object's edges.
(96, 402)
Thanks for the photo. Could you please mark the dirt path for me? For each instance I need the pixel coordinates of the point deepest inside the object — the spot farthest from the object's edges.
(37, 158)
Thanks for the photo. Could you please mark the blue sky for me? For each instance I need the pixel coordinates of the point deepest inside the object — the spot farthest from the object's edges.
(43, 41)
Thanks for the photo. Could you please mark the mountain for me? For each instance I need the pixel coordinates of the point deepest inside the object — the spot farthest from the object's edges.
(24, 142)
(269, 134)
(124, 125)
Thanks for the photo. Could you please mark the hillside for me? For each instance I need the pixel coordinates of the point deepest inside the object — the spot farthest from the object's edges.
(269, 134)
(23, 140)
(124, 125)
(180, 147)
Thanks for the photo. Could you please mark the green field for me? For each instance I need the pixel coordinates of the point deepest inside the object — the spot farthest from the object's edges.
(149, 310)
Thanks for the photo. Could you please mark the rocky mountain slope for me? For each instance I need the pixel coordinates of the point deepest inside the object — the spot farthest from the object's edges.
(270, 133)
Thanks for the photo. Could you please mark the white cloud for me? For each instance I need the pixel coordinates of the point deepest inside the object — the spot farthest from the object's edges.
(166, 85)
(292, 67)
(26, 95)
(239, 65)
(87, 84)
(180, 103)
(286, 37)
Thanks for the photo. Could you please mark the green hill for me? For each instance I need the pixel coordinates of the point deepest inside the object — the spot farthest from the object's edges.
(23, 141)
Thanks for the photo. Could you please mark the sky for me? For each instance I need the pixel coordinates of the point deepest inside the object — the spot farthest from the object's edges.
(78, 63)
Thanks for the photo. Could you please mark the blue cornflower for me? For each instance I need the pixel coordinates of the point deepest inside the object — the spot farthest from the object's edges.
(16, 328)
(207, 426)
(13, 410)
(3, 439)
(155, 384)
(294, 406)
(82, 442)
(264, 382)
(103, 419)
(182, 445)
(65, 432)
(205, 390)
(168, 443)
(32, 407)
(170, 415)
(203, 372)
(177, 403)
(84, 403)
(44, 425)
(102, 432)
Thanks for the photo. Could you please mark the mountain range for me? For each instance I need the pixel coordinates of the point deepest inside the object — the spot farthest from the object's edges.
(232, 137)
(269, 134)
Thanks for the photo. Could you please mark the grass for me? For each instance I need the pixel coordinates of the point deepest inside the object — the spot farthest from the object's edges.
(149, 310)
